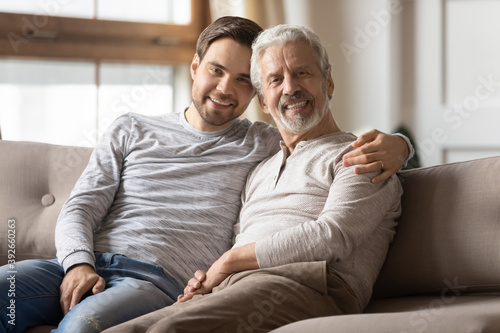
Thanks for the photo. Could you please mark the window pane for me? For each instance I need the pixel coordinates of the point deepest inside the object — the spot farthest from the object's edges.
(80, 8)
(181, 12)
(48, 101)
(123, 88)
(60, 103)
(153, 11)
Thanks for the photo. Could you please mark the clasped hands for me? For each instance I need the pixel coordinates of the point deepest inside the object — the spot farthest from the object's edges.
(203, 282)
(235, 260)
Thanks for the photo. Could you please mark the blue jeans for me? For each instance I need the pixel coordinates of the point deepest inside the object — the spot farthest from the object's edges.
(133, 288)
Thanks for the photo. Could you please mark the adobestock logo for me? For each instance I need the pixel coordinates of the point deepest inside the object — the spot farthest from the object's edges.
(420, 320)
(264, 308)
(129, 101)
(460, 111)
(31, 29)
(372, 29)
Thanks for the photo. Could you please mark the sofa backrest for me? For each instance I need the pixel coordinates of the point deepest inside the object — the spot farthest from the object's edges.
(35, 181)
(448, 237)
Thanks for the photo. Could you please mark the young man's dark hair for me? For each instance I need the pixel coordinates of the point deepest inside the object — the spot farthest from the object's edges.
(240, 29)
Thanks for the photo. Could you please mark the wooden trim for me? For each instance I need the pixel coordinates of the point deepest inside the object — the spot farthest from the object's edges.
(200, 15)
(178, 54)
(41, 36)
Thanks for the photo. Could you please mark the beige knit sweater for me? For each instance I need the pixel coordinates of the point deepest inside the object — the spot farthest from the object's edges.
(308, 207)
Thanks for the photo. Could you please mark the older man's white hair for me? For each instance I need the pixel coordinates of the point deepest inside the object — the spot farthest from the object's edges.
(280, 35)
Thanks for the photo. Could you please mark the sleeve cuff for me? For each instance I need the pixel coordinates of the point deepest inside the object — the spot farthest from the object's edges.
(79, 257)
(411, 150)
(263, 258)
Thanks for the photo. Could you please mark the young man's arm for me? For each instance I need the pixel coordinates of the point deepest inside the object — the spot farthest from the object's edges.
(377, 150)
(87, 205)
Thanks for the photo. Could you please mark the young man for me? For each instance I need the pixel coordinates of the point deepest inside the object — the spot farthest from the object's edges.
(313, 235)
(158, 199)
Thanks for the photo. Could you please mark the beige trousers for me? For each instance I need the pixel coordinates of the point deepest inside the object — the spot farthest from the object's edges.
(254, 301)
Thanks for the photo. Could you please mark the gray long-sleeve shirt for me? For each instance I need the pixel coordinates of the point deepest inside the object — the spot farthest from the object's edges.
(308, 207)
(159, 191)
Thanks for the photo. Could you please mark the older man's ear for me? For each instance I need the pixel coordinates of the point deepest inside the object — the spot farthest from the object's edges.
(263, 104)
(331, 86)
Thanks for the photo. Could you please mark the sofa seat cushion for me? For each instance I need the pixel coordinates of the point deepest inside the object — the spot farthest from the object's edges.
(412, 314)
(448, 237)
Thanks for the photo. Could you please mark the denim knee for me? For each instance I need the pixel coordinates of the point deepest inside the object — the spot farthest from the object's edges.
(32, 294)
(122, 300)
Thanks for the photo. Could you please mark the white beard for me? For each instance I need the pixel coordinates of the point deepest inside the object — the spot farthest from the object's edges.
(299, 123)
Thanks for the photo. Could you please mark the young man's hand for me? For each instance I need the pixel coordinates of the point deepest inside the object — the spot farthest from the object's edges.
(377, 151)
(79, 280)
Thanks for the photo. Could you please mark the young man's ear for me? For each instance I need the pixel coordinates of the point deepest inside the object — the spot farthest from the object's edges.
(194, 65)
(263, 104)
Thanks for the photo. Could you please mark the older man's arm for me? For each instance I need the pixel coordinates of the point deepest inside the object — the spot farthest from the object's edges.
(354, 209)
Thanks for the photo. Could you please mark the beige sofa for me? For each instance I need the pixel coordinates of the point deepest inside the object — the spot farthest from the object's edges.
(442, 272)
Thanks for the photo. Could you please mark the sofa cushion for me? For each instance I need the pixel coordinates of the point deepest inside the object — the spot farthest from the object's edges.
(35, 181)
(448, 237)
(412, 314)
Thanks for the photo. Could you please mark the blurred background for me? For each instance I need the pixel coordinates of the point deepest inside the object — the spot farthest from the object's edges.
(427, 68)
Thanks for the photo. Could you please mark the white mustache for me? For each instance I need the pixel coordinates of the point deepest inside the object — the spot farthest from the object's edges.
(297, 95)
